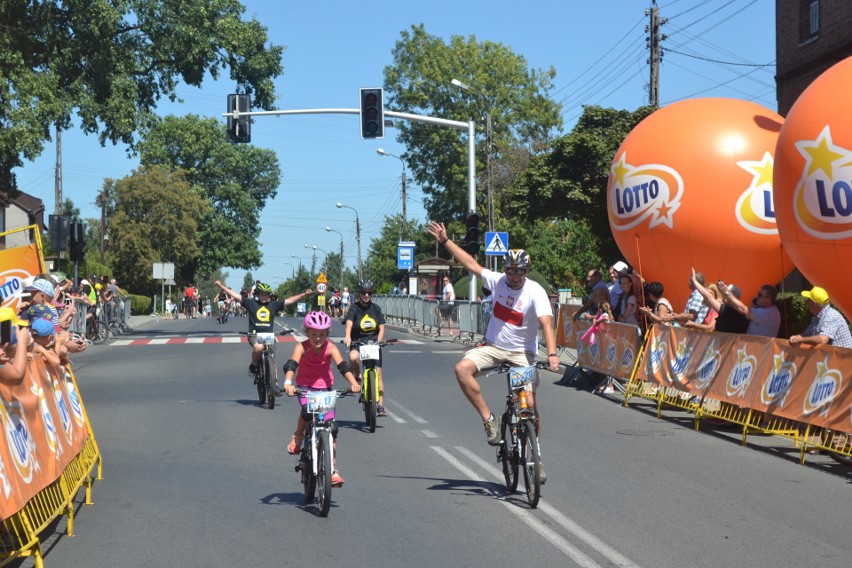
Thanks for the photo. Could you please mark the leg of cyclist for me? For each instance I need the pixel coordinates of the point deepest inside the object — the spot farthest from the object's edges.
(256, 350)
(355, 362)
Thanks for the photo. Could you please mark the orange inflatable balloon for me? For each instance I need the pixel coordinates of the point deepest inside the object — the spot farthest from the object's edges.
(813, 184)
(691, 186)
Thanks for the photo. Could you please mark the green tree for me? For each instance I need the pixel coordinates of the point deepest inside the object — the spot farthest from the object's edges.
(237, 180)
(570, 180)
(248, 281)
(155, 220)
(419, 81)
(113, 61)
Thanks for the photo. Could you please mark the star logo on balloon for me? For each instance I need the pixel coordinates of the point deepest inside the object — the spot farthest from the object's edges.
(822, 199)
(650, 192)
(754, 207)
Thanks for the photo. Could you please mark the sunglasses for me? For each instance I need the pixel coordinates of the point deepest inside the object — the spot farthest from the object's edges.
(515, 271)
(366, 293)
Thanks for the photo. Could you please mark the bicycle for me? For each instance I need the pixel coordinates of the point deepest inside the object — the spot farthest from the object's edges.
(519, 444)
(316, 458)
(266, 377)
(96, 329)
(370, 353)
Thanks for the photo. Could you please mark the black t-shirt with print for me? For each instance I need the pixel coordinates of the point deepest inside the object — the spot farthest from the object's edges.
(261, 316)
(365, 321)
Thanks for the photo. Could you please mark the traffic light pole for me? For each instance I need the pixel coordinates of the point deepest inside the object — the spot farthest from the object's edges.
(469, 126)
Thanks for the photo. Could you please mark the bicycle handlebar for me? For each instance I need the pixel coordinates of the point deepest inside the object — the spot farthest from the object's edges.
(340, 392)
(369, 341)
(506, 365)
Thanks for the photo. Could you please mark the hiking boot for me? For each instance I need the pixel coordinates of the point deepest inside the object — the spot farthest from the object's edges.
(492, 431)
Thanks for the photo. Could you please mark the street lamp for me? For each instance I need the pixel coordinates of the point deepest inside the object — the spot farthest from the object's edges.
(357, 238)
(329, 229)
(292, 266)
(488, 141)
(314, 261)
(383, 152)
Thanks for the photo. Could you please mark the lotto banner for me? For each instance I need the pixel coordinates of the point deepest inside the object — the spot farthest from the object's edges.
(45, 428)
(615, 347)
(16, 265)
(806, 384)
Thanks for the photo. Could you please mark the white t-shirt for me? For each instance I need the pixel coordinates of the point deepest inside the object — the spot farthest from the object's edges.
(449, 293)
(514, 323)
(764, 321)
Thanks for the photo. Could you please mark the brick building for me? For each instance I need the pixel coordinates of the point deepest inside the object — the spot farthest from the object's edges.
(810, 37)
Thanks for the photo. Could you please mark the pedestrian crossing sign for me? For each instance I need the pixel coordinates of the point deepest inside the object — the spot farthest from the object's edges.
(496, 243)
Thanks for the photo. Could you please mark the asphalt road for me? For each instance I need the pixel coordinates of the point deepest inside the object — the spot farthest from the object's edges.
(196, 474)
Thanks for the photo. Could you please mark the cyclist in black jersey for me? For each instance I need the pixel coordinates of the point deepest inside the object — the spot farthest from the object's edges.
(365, 320)
(261, 314)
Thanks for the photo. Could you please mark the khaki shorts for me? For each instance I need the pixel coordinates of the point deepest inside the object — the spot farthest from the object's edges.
(489, 355)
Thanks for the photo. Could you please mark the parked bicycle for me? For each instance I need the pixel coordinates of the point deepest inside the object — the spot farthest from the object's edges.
(519, 447)
(266, 377)
(370, 353)
(316, 459)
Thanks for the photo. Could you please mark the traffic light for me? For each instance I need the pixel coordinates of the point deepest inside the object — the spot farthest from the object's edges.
(239, 130)
(372, 113)
(471, 237)
(59, 227)
(78, 242)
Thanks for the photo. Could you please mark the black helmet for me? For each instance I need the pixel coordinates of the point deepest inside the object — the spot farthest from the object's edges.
(366, 286)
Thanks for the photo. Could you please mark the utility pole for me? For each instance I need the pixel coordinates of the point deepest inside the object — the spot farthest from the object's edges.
(404, 216)
(57, 187)
(653, 43)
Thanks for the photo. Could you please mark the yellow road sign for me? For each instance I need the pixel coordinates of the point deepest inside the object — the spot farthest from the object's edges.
(321, 278)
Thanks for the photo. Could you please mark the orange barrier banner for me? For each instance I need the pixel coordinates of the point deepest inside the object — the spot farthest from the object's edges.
(45, 428)
(614, 351)
(16, 265)
(806, 384)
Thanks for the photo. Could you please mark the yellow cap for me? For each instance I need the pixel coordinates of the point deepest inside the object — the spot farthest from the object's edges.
(817, 295)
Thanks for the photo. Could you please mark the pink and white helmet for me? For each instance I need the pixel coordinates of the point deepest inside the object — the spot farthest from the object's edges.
(317, 320)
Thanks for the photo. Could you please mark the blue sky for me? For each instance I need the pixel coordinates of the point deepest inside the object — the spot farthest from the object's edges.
(715, 48)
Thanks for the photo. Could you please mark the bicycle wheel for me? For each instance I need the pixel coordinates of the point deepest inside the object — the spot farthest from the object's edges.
(309, 480)
(370, 398)
(260, 379)
(270, 382)
(324, 471)
(508, 455)
(531, 462)
(100, 332)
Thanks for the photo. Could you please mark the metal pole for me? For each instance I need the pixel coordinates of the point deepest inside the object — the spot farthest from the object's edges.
(471, 191)
(404, 216)
(358, 239)
(341, 263)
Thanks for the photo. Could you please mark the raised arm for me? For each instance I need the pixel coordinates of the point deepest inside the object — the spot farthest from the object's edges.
(439, 231)
(705, 293)
(228, 291)
(293, 299)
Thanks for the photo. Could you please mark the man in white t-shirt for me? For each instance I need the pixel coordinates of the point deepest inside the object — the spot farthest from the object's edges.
(448, 300)
(520, 307)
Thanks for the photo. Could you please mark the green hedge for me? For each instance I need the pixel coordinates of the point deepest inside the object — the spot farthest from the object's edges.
(140, 305)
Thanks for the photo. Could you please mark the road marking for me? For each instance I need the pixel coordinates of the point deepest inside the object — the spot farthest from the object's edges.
(397, 419)
(429, 434)
(556, 540)
(604, 549)
(457, 351)
(230, 339)
(413, 416)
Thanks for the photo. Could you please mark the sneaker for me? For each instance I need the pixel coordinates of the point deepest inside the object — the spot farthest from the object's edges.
(380, 411)
(492, 431)
(542, 477)
(252, 369)
(336, 479)
(293, 446)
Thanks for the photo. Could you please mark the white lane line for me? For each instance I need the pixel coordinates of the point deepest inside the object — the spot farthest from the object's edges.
(456, 351)
(120, 342)
(159, 341)
(429, 434)
(560, 543)
(232, 339)
(604, 549)
(411, 415)
(398, 351)
(195, 339)
(396, 418)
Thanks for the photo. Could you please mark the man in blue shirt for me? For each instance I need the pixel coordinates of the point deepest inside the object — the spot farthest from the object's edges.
(827, 327)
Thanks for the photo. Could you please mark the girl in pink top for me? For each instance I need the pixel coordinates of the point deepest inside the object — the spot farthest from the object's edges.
(312, 358)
